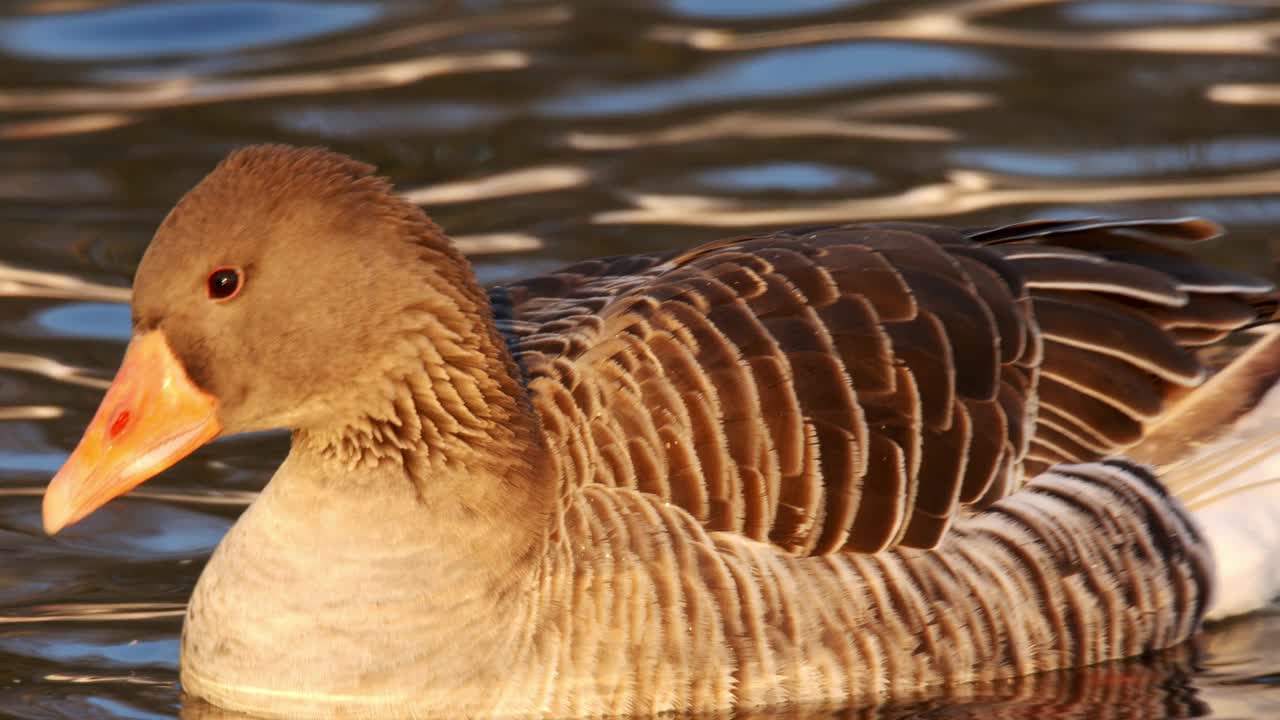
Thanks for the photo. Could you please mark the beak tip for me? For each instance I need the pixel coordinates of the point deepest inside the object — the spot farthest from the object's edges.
(56, 509)
(54, 522)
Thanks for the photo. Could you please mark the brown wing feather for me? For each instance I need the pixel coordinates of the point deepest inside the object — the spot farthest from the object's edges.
(852, 388)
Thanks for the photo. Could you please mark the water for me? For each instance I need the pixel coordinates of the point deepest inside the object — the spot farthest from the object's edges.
(540, 133)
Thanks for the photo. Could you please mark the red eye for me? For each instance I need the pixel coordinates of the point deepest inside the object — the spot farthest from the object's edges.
(225, 283)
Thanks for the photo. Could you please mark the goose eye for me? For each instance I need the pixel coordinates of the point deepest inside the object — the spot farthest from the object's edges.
(225, 283)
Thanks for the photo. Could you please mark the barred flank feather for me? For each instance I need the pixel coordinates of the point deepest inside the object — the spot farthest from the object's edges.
(1035, 582)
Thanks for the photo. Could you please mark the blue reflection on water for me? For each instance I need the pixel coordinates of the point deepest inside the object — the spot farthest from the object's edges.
(783, 73)
(193, 28)
(751, 10)
(27, 462)
(1128, 161)
(98, 321)
(139, 652)
(131, 528)
(793, 177)
(119, 709)
(1142, 13)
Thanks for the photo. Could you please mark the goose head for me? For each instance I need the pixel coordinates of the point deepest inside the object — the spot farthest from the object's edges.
(290, 289)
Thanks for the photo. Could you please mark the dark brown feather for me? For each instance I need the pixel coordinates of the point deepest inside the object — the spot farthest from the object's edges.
(1097, 275)
(1112, 380)
(1111, 329)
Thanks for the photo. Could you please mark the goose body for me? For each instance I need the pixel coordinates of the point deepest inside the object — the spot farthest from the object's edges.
(835, 465)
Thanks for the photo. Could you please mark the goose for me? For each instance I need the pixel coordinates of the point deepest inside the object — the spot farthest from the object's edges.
(831, 465)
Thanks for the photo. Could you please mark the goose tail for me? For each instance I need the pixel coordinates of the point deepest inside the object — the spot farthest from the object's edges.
(1218, 453)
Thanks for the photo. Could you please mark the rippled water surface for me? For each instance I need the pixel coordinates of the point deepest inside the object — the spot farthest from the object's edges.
(539, 133)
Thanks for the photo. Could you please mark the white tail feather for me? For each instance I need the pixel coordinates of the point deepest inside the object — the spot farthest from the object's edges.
(1232, 488)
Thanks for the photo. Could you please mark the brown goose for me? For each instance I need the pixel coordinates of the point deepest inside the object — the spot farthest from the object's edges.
(830, 465)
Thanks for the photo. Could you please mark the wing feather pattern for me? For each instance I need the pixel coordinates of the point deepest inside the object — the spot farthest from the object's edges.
(853, 388)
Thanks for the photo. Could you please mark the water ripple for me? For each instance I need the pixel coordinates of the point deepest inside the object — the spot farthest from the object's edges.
(778, 75)
(960, 24)
(188, 28)
(91, 612)
(187, 91)
(870, 119)
(962, 191)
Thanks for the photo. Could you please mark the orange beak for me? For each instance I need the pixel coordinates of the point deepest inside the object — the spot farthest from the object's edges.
(152, 417)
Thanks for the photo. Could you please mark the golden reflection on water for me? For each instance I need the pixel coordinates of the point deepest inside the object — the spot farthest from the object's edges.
(81, 612)
(186, 91)
(65, 125)
(1238, 94)
(20, 282)
(524, 181)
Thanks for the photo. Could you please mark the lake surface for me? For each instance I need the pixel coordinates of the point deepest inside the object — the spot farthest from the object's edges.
(539, 133)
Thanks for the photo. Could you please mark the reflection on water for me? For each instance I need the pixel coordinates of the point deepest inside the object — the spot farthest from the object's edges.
(542, 132)
(176, 29)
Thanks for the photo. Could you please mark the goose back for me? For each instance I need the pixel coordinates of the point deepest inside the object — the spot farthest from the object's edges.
(855, 387)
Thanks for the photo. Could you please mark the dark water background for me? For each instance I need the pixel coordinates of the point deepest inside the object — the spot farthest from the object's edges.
(544, 132)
